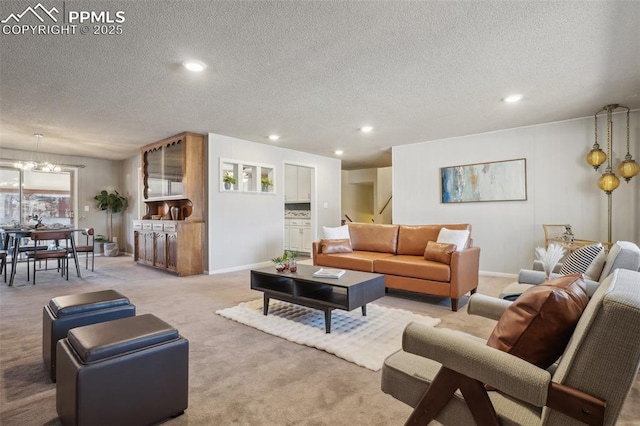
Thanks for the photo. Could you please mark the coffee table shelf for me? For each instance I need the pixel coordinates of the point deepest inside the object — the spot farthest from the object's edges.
(353, 290)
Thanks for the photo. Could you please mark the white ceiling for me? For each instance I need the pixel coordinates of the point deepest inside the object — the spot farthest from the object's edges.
(314, 72)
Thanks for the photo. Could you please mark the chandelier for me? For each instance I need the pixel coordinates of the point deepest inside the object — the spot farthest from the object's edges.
(34, 165)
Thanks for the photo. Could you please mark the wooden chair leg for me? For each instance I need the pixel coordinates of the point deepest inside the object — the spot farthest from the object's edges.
(438, 394)
(442, 390)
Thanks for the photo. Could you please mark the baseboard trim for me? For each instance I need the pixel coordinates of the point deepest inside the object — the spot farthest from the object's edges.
(240, 268)
(498, 274)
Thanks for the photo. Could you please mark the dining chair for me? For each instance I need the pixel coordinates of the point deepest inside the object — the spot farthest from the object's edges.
(3, 263)
(57, 251)
(87, 247)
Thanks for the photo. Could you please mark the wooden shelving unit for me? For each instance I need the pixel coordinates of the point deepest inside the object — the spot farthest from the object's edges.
(170, 236)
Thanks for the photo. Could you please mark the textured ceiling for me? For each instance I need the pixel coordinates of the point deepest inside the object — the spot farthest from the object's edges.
(314, 72)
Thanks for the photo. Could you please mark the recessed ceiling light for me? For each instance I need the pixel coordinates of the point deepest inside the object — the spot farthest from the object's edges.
(366, 129)
(274, 137)
(513, 98)
(338, 152)
(193, 65)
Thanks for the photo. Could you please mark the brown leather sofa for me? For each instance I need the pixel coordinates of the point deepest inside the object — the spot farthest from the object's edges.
(398, 251)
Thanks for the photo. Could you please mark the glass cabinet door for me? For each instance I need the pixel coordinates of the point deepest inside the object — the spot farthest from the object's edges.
(163, 172)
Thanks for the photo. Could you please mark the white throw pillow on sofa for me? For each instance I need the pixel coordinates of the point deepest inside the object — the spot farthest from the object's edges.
(337, 233)
(454, 236)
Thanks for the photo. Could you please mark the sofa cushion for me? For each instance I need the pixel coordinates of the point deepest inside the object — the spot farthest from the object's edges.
(373, 237)
(414, 267)
(357, 260)
(335, 246)
(413, 239)
(337, 233)
(459, 237)
(439, 252)
(538, 325)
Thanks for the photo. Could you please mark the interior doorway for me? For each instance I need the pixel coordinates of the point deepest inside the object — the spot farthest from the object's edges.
(299, 208)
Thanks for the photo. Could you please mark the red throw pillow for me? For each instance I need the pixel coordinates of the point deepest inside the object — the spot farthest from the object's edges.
(335, 246)
(439, 252)
(538, 325)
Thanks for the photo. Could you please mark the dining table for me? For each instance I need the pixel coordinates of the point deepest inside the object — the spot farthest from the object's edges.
(21, 232)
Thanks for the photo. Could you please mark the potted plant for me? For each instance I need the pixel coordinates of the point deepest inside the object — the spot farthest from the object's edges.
(111, 202)
(266, 184)
(228, 180)
(279, 261)
(291, 260)
(99, 241)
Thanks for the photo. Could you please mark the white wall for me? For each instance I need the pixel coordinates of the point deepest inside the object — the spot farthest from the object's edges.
(246, 229)
(561, 188)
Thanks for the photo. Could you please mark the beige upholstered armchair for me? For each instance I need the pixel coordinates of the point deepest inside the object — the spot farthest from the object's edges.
(441, 373)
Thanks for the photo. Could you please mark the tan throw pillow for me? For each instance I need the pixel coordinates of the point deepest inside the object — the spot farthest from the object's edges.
(538, 325)
(335, 246)
(439, 252)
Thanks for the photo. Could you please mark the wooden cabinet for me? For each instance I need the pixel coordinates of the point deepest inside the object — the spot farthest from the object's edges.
(298, 235)
(170, 248)
(172, 251)
(174, 191)
(297, 184)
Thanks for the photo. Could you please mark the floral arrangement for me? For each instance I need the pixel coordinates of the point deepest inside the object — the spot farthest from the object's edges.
(549, 257)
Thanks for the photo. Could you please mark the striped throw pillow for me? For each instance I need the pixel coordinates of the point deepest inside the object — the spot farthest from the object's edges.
(580, 260)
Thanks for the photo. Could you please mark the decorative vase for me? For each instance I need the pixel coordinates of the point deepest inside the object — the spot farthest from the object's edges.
(293, 265)
(175, 212)
(280, 266)
(227, 186)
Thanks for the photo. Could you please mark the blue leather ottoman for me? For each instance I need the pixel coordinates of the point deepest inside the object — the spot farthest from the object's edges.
(66, 312)
(128, 371)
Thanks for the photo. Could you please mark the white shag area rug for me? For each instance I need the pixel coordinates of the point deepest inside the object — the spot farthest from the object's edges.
(365, 341)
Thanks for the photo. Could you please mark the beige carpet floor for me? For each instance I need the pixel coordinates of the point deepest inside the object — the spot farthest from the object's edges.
(238, 375)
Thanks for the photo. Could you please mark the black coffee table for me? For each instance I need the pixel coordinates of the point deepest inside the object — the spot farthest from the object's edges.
(352, 290)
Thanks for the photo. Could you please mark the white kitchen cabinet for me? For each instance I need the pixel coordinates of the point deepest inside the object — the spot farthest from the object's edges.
(297, 184)
(306, 239)
(297, 235)
(290, 182)
(304, 184)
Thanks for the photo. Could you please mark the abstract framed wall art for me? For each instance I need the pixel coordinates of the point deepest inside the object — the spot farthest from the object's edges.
(493, 181)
